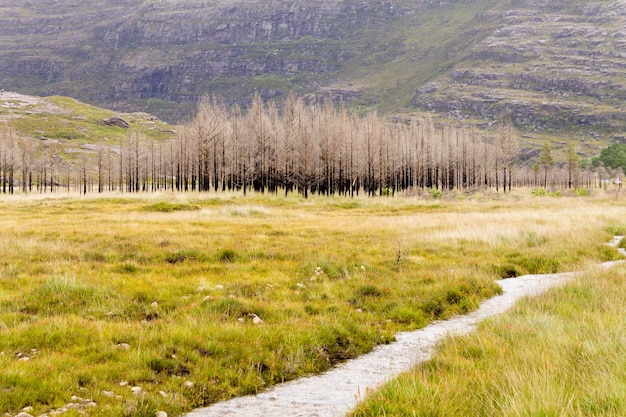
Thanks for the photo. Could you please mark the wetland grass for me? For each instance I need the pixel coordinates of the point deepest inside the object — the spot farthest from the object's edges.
(560, 354)
(103, 294)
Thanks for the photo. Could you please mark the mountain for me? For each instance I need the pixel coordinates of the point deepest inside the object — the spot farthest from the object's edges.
(556, 66)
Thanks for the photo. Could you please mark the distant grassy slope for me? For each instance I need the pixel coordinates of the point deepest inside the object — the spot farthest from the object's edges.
(130, 51)
(69, 127)
(432, 40)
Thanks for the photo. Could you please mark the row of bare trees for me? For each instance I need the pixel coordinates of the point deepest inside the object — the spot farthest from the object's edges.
(329, 150)
(287, 147)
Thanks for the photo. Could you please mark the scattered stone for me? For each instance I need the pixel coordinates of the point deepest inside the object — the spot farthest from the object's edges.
(163, 394)
(161, 414)
(24, 414)
(123, 383)
(27, 409)
(256, 319)
(92, 404)
(108, 394)
(299, 285)
(219, 287)
(136, 390)
(231, 296)
(358, 310)
(124, 346)
(154, 305)
(207, 298)
(241, 320)
(188, 384)
(114, 121)
(24, 359)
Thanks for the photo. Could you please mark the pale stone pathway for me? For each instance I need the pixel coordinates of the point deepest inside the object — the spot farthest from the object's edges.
(336, 392)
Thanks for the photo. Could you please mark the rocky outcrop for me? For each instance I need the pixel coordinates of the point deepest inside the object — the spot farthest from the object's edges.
(551, 65)
(115, 121)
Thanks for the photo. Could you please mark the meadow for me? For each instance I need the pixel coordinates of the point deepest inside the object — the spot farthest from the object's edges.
(130, 304)
(561, 354)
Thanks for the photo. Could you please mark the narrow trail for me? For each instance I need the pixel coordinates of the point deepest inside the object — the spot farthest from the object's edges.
(337, 391)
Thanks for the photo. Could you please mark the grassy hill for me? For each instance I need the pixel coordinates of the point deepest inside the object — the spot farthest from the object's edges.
(68, 128)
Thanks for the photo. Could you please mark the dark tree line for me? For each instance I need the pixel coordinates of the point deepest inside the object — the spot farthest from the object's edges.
(290, 147)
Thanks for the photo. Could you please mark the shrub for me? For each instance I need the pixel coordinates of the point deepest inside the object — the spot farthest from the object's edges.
(227, 255)
(182, 256)
(370, 291)
(165, 207)
(407, 315)
(126, 268)
(435, 192)
(542, 192)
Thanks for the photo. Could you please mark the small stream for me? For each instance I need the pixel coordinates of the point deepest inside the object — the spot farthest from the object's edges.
(337, 391)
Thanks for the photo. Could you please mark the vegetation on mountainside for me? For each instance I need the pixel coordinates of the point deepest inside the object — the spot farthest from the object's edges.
(613, 157)
(555, 66)
(102, 295)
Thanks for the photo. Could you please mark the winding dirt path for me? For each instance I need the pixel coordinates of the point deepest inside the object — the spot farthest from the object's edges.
(336, 392)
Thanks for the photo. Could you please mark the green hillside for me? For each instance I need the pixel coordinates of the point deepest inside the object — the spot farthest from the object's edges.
(68, 128)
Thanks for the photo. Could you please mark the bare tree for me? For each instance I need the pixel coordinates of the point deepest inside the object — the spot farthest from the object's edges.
(573, 166)
(510, 150)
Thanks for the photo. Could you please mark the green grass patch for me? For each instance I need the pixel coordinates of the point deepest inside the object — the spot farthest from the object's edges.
(560, 354)
(168, 207)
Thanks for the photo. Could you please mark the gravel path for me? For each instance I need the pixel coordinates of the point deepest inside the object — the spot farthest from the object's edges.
(336, 392)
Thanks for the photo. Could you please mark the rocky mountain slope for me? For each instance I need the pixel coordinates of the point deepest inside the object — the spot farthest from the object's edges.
(556, 66)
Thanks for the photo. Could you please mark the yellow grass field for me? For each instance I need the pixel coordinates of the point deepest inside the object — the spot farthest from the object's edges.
(141, 303)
